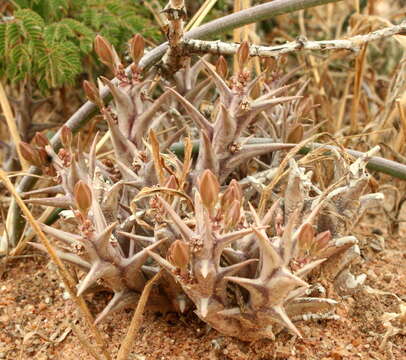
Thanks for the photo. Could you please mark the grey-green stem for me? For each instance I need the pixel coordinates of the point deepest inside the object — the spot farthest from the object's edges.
(375, 163)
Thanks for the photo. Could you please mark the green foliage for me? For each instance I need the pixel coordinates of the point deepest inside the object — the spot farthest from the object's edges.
(47, 41)
(118, 20)
(27, 51)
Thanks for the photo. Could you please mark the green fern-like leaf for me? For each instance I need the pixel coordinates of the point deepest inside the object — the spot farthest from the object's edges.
(61, 64)
(20, 62)
(46, 41)
(72, 30)
(3, 27)
(12, 35)
(118, 21)
(32, 24)
(52, 10)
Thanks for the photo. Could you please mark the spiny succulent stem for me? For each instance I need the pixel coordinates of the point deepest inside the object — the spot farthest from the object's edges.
(67, 279)
(375, 163)
(81, 117)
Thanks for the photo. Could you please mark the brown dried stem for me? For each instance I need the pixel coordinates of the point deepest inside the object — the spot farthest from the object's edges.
(85, 343)
(268, 189)
(12, 126)
(137, 318)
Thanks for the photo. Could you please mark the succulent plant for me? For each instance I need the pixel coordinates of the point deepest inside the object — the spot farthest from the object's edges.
(143, 209)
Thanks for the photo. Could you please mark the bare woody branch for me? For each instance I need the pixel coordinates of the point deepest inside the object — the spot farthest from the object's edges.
(353, 44)
(174, 59)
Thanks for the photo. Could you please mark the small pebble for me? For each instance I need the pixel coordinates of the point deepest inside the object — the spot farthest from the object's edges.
(371, 275)
(139, 357)
(65, 295)
(387, 277)
(29, 308)
(377, 243)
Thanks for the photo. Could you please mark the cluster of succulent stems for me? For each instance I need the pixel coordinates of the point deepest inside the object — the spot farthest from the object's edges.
(140, 209)
(251, 253)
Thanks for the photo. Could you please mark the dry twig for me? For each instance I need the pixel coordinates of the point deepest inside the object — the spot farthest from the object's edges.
(15, 135)
(137, 318)
(353, 44)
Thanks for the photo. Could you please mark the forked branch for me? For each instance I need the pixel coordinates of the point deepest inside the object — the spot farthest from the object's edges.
(174, 58)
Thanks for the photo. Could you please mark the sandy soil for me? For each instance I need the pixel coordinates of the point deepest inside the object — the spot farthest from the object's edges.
(36, 316)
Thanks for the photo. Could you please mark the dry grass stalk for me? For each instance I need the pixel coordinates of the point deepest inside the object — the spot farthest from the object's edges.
(359, 72)
(281, 168)
(85, 343)
(200, 14)
(12, 127)
(401, 105)
(136, 320)
(311, 59)
(155, 8)
(339, 119)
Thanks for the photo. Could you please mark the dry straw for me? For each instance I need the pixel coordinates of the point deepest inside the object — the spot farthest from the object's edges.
(15, 135)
